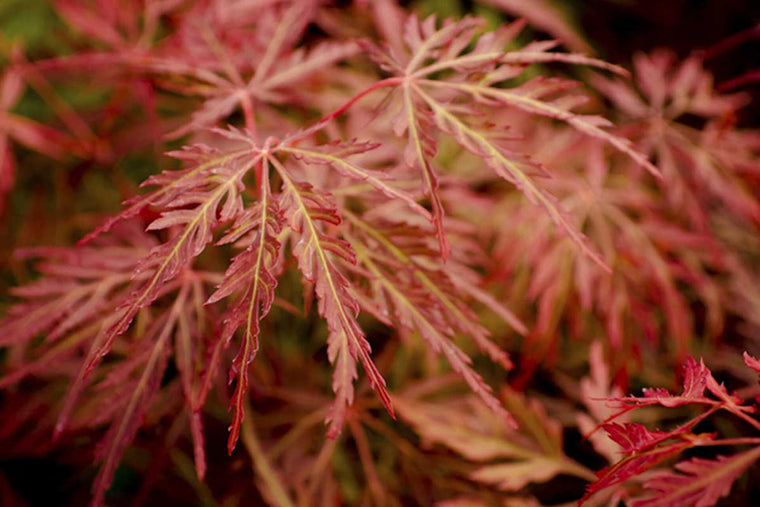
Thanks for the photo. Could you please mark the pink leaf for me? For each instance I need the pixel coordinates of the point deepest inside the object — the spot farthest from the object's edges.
(252, 274)
(700, 483)
(307, 209)
(751, 362)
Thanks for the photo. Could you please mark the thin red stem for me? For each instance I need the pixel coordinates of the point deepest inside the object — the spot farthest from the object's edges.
(746, 418)
(391, 81)
(250, 118)
(733, 441)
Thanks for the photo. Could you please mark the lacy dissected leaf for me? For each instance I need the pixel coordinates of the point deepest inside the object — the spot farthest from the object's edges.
(697, 379)
(431, 226)
(419, 153)
(483, 141)
(407, 259)
(634, 438)
(336, 155)
(698, 482)
(670, 87)
(252, 274)
(137, 400)
(232, 57)
(645, 448)
(77, 297)
(659, 264)
(78, 287)
(193, 202)
(632, 466)
(308, 210)
(468, 78)
(197, 351)
(281, 82)
(267, 66)
(418, 297)
(171, 185)
(280, 29)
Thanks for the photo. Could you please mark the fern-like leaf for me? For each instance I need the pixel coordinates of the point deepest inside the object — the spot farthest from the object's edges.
(700, 483)
(422, 304)
(253, 274)
(195, 201)
(307, 211)
(449, 103)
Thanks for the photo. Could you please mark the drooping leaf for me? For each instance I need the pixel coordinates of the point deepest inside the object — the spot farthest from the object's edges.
(253, 274)
(449, 104)
(307, 210)
(699, 482)
(420, 304)
(194, 201)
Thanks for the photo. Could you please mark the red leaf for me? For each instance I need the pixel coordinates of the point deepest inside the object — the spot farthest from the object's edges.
(307, 209)
(253, 274)
(751, 362)
(700, 483)
(632, 466)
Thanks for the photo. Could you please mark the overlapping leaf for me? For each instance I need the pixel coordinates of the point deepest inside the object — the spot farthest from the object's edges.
(694, 163)
(79, 286)
(701, 482)
(318, 253)
(193, 201)
(693, 482)
(420, 298)
(450, 102)
(464, 106)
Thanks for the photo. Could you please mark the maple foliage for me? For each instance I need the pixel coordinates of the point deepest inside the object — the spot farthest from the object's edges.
(657, 240)
(374, 251)
(695, 481)
(533, 455)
